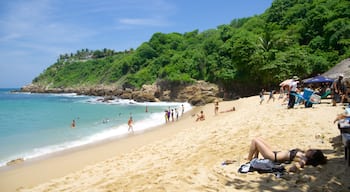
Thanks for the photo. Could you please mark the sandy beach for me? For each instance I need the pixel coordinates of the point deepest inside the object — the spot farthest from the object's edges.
(188, 155)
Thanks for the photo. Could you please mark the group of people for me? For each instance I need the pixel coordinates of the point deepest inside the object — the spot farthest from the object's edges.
(338, 91)
(170, 116)
(289, 89)
(300, 158)
(173, 114)
(201, 116)
(263, 93)
(258, 146)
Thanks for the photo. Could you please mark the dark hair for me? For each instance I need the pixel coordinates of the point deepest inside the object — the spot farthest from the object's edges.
(315, 157)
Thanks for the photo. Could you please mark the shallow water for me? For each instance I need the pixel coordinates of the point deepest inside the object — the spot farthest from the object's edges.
(32, 125)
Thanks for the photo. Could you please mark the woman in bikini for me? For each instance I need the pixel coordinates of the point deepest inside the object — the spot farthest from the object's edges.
(312, 157)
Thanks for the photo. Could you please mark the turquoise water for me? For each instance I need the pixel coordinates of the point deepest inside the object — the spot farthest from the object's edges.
(32, 125)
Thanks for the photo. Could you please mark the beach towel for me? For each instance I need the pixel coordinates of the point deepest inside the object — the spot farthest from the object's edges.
(262, 166)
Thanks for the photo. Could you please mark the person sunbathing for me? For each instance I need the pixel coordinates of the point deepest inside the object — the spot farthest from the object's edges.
(229, 110)
(300, 158)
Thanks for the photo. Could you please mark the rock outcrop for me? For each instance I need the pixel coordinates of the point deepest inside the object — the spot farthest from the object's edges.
(198, 93)
(15, 161)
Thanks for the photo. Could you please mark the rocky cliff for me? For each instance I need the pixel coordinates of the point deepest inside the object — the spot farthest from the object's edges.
(198, 93)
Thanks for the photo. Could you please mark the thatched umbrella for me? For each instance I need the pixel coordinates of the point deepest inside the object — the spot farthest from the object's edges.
(341, 68)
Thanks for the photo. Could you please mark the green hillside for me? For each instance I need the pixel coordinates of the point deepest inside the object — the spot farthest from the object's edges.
(293, 37)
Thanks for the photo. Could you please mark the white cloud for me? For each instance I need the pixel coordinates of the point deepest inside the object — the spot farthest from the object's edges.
(35, 25)
(23, 18)
(143, 22)
(9, 37)
(145, 13)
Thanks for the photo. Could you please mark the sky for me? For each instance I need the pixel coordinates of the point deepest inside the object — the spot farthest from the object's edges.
(33, 33)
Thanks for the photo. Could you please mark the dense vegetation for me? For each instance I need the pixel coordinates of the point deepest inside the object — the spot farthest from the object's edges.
(293, 37)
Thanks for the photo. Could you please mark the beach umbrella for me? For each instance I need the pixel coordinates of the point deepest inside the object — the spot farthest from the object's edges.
(341, 68)
(318, 79)
(286, 82)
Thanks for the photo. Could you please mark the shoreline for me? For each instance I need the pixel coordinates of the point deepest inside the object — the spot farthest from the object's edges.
(73, 159)
(187, 155)
(104, 125)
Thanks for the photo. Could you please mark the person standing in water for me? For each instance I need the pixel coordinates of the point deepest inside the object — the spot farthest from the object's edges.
(182, 109)
(73, 124)
(130, 124)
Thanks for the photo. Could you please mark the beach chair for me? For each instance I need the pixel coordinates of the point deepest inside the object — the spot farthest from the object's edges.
(344, 124)
(326, 94)
(309, 98)
(344, 128)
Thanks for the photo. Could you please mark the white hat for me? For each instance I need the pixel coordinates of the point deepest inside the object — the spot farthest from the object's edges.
(341, 75)
(295, 78)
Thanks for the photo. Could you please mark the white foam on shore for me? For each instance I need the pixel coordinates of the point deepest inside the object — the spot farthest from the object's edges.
(153, 120)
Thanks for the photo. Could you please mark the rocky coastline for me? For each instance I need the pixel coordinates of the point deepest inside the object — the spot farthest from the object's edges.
(198, 93)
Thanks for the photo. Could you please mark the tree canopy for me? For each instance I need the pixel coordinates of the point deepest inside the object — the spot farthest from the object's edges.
(292, 37)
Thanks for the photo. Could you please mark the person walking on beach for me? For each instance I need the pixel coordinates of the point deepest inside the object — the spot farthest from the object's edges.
(166, 116)
(271, 96)
(172, 115)
(130, 124)
(182, 109)
(176, 114)
(337, 90)
(169, 114)
(292, 91)
(261, 95)
(216, 107)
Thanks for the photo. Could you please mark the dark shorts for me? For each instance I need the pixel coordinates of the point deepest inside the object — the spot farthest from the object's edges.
(336, 97)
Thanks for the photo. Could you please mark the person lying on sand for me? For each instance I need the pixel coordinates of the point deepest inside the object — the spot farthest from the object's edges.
(300, 158)
(229, 110)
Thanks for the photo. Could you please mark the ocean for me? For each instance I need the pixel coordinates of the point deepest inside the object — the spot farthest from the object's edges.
(33, 125)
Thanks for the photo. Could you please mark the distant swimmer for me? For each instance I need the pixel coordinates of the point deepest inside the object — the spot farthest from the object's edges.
(105, 121)
(130, 124)
(73, 124)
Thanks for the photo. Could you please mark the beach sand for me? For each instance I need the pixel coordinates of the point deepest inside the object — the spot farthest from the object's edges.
(187, 155)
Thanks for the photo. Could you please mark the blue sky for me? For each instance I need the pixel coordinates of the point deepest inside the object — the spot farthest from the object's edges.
(33, 33)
